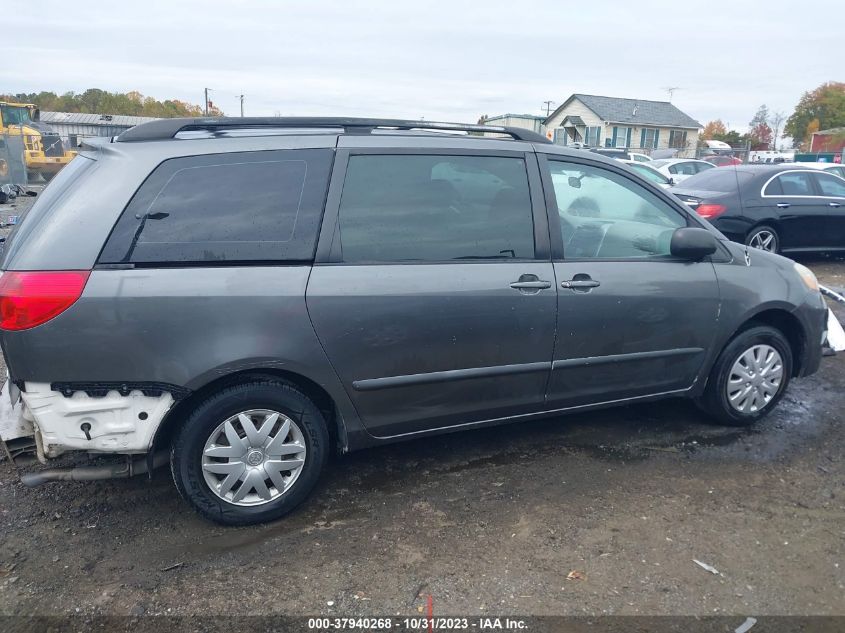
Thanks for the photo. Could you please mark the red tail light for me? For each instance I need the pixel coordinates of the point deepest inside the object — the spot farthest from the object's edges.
(28, 299)
(710, 211)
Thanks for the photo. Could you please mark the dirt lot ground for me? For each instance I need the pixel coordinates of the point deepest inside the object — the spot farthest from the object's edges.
(487, 521)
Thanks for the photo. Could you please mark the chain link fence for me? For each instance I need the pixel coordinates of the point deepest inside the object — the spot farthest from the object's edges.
(12, 161)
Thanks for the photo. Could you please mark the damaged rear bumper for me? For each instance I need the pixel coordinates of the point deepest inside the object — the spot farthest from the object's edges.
(49, 423)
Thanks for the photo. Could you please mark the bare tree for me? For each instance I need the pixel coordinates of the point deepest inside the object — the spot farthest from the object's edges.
(777, 120)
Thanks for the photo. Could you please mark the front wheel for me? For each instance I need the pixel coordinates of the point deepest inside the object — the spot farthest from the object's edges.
(765, 238)
(250, 453)
(749, 378)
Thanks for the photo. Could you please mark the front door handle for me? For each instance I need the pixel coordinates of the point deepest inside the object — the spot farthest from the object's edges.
(580, 283)
(835, 205)
(783, 205)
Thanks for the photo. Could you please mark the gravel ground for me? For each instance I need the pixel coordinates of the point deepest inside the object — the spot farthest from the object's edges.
(488, 521)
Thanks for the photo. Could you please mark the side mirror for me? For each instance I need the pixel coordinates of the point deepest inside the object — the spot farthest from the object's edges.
(692, 244)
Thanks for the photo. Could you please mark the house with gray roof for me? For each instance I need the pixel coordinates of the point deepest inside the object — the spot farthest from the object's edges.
(635, 124)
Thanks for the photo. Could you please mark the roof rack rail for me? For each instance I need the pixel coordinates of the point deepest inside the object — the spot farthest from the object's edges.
(164, 129)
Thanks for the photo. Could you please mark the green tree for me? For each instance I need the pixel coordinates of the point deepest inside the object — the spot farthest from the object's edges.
(825, 105)
(97, 101)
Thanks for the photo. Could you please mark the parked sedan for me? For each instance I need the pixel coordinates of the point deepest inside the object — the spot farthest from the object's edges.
(831, 168)
(723, 160)
(679, 169)
(650, 173)
(778, 208)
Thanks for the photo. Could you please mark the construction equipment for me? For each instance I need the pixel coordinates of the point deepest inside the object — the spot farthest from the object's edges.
(44, 151)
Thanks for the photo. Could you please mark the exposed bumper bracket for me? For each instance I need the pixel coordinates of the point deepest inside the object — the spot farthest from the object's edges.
(130, 468)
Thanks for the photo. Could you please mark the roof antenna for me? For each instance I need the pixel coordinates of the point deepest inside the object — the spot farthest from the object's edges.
(671, 90)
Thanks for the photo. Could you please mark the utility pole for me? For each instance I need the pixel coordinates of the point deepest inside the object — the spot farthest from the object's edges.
(205, 107)
(548, 105)
(241, 97)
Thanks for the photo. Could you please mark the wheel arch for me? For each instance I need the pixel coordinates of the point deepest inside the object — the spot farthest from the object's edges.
(770, 222)
(786, 323)
(321, 398)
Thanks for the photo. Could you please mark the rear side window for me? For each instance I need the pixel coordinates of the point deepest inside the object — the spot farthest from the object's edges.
(830, 185)
(724, 179)
(435, 208)
(796, 183)
(245, 206)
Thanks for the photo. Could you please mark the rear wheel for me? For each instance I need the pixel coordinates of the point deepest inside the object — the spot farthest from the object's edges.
(765, 238)
(749, 378)
(250, 453)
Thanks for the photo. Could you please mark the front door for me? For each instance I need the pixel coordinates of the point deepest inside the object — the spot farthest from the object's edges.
(435, 300)
(632, 321)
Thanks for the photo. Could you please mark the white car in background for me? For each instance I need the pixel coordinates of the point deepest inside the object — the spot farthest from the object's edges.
(679, 169)
(640, 158)
(649, 173)
(836, 169)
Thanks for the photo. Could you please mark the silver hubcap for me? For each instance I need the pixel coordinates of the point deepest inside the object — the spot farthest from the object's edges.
(755, 378)
(253, 457)
(764, 240)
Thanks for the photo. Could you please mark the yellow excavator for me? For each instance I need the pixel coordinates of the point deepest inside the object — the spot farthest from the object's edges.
(44, 151)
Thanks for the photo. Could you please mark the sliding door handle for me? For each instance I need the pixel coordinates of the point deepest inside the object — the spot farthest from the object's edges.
(531, 285)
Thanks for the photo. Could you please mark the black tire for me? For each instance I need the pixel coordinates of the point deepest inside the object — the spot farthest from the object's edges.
(715, 401)
(762, 231)
(262, 393)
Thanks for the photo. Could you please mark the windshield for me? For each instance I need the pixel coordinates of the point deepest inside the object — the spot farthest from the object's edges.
(15, 115)
(649, 173)
(718, 179)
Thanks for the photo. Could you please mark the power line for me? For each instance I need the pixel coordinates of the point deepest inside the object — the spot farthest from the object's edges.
(548, 105)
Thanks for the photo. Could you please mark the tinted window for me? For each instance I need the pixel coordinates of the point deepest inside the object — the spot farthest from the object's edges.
(649, 174)
(246, 206)
(790, 184)
(435, 208)
(830, 185)
(722, 179)
(605, 215)
(686, 169)
(702, 166)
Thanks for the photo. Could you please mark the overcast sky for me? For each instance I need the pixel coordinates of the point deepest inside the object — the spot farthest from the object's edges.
(449, 60)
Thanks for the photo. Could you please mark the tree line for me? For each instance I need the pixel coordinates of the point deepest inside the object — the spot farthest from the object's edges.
(96, 101)
(820, 109)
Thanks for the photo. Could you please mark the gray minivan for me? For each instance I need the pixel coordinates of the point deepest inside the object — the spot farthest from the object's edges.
(241, 297)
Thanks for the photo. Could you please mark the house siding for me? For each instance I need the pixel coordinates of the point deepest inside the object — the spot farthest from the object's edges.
(576, 108)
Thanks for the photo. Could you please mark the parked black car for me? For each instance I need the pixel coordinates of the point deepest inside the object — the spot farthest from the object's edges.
(778, 208)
